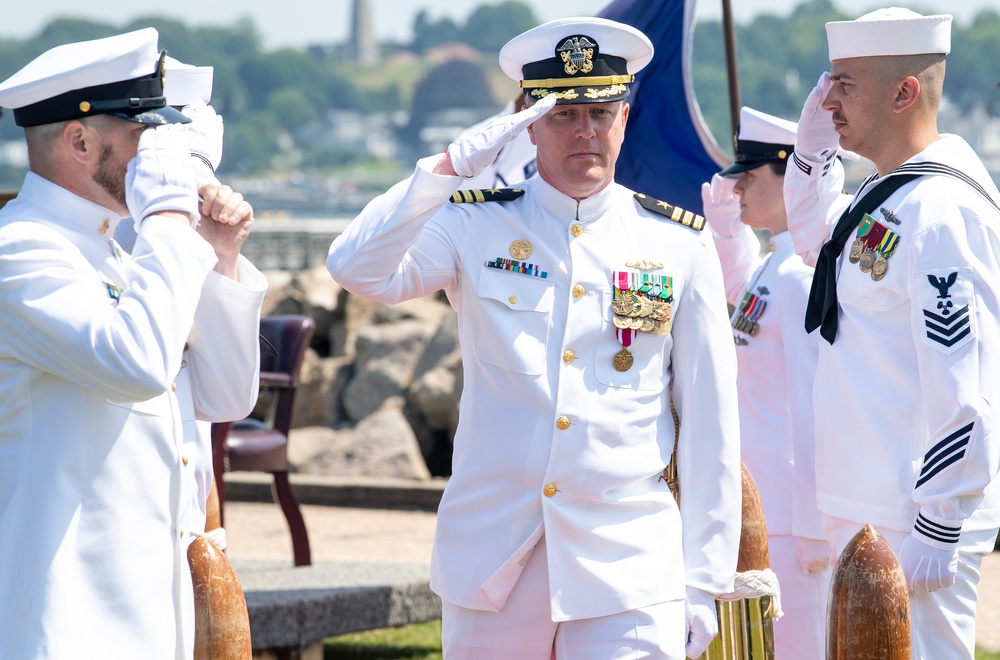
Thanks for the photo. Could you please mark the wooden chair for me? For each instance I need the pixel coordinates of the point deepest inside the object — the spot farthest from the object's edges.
(256, 446)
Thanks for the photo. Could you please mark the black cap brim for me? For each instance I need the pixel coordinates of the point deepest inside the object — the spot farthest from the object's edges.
(737, 169)
(157, 117)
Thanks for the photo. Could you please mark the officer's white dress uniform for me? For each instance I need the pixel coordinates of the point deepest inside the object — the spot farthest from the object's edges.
(558, 454)
(906, 396)
(95, 478)
(551, 437)
(777, 364)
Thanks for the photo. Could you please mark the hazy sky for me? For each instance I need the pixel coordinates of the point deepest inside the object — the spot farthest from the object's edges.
(302, 22)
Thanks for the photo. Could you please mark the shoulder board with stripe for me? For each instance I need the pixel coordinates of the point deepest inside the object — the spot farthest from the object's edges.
(486, 195)
(675, 213)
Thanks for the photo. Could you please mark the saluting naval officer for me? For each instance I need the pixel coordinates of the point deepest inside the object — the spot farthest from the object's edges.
(777, 366)
(905, 297)
(579, 302)
(94, 344)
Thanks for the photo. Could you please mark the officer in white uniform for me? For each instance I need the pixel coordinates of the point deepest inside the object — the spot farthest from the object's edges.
(95, 477)
(905, 297)
(777, 366)
(579, 303)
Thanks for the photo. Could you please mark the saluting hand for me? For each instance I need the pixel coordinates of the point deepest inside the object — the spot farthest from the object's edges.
(817, 138)
(721, 206)
(471, 155)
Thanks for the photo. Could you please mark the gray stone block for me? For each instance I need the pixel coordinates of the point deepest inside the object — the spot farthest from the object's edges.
(293, 608)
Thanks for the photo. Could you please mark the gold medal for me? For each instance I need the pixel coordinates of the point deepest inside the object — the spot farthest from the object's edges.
(635, 323)
(621, 306)
(621, 322)
(856, 248)
(879, 268)
(662, 328)
(623, 360)
(754, 329)
(867, 261)
(648, 324)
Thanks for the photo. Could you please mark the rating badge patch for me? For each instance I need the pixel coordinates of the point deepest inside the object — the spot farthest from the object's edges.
(947, 301)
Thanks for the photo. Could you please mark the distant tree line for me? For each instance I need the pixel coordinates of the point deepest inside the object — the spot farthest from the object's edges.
(269, 98)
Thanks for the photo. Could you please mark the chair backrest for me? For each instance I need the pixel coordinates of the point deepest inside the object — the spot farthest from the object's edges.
(285, 339)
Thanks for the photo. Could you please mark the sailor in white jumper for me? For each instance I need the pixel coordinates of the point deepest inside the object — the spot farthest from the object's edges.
(906, 297)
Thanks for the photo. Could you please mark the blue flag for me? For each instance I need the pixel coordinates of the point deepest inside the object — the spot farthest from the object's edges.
(668, 151)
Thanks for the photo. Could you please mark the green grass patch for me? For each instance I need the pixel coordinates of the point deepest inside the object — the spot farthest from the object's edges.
(421, 641)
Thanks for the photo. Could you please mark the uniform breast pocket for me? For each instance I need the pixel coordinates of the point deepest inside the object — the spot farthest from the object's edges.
(648, 350)
(514, 321)
(857, 289)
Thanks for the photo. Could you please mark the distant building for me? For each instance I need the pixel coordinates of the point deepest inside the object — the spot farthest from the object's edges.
(363, 48)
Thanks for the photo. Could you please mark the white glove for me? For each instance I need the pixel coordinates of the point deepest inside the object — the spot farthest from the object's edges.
(217, 537)
(721, 207)
(702, 622)
(926, 568)
(160, 177)
(474, 153)
(814, 554)
(205, 134)
(817, 139)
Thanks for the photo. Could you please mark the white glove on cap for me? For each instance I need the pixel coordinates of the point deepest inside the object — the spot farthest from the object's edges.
(474, 153)
(160, 177)
(721, 207)
(927, 569)
(205, 134)
(816, 138)
(702, 622)
(814, 554)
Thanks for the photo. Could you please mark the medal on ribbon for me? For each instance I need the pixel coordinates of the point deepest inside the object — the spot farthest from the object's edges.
(641, 303)
(623, 358)
(872, 239)
(751, 308)
(885, 248)
(858, 246)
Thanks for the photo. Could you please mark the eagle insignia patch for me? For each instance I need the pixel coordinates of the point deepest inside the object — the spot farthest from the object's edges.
(948, 308)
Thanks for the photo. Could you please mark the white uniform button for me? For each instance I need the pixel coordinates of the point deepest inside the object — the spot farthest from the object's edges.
(562, 423)
(579, 291)
(549, 490)
(569, 356)
(576, 229)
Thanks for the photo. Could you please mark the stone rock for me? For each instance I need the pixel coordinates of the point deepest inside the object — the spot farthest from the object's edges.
(311, 292)
(435, 394)
(321, 382)
(356, 313)
(382, 445)
(383, 365)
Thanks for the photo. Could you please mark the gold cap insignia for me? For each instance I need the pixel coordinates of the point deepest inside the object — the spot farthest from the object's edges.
(577, 54)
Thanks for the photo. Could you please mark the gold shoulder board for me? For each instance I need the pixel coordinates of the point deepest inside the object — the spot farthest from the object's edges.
(675, 213)
(486, 195)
